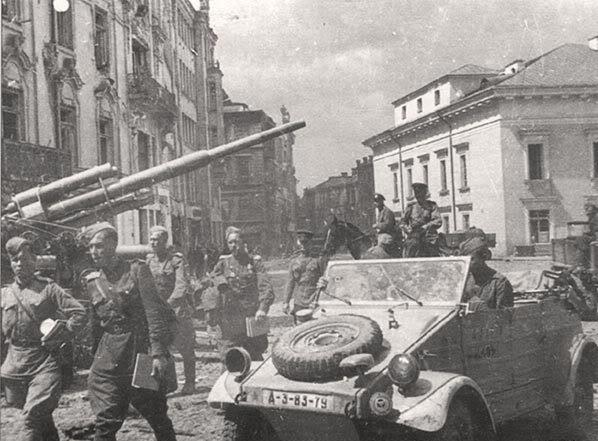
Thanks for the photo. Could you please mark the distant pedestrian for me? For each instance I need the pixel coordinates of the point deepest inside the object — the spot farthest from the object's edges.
(31, 373)
(172, 280)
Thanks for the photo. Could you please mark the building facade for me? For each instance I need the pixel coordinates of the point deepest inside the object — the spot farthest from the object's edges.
(258, 186)
(513, 151)
(118, 82)
(349, 197)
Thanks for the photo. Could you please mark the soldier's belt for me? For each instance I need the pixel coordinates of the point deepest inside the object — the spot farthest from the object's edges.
(26, 343)
(117, 328)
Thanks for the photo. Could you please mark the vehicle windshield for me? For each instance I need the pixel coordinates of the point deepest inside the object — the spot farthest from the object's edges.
(430, 280)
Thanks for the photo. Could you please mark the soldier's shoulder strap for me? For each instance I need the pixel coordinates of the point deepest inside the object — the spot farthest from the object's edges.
(89, 275)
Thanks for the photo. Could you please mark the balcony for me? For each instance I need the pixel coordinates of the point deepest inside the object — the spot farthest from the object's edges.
(149, 96)
(31, 164)
(540, 188)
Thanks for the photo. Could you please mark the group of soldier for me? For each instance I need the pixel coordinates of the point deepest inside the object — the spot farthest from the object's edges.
(136, 307)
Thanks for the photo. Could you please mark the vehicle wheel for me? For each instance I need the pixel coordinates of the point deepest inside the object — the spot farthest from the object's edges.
(313, 350)
(461, 425)
(577, 418)
(242, 425)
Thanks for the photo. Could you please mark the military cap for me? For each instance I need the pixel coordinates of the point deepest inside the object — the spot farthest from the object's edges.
(230, 230)
(472, 246)
(378, 197)
(384, 239)
(90, 231)
(417, 185)
(16, 244)
(159, 229)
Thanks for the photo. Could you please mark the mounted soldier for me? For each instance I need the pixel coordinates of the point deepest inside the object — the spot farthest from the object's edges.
(387, 224)
(420, 225)
(582, 245)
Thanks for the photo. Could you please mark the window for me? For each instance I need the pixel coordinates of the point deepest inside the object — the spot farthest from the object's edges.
(139, 58)
(425, 173)
(539, 226)
(213, 103)
(596, 159)
(213, 136)
(10, 9)
(101, 40)
(535, 160)
(395, 184)
(420, 106)
(463, 165)
(245, 208)
(443, 174)
(465, 221)
(64, 27)
(143, 227)
(143, 152)
(445, 224)
(410, 181)
(155, 160)
(404, 112)
(68, 131)
(243, 167)
(11, 115)
(189, 131)
(106, 153)
(436, 97)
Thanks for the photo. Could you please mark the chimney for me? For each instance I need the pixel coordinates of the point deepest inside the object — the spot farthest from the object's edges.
(514, 67)
(358, 162)
(365, 159)
(593, 43)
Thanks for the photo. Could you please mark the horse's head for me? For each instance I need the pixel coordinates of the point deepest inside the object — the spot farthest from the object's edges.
(341, 233)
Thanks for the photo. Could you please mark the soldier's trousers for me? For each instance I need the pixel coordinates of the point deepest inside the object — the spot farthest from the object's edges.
(418, 248)
(582, 251)
(256, 346)
(38, 398)
(184, 343)
(109, 397)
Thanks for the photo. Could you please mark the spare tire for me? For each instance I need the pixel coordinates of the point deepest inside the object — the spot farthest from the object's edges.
(313, 350)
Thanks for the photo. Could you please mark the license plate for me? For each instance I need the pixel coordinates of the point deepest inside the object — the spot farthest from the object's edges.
(296, 400)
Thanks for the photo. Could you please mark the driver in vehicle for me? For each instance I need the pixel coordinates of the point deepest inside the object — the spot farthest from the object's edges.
(485, 287)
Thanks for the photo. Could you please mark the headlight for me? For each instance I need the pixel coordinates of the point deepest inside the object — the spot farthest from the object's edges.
(237, 361)
(403, 370)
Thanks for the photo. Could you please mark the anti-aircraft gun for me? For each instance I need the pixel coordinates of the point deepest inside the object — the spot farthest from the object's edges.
(53, 214)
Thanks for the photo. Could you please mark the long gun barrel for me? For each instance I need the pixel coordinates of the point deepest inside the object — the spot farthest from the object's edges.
(56, 211)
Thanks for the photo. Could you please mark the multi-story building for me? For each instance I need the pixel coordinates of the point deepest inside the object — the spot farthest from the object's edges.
(258, 186)
(348, 197)
(130, 89)
(514, 152)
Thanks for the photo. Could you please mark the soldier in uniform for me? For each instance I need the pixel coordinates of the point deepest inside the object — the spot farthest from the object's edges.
(582, 245)
(387, 224)
(420, 224)
(128, 317)
(170, 274)
(305, 272)
(31, 373)
(244, 291)
(486, 287)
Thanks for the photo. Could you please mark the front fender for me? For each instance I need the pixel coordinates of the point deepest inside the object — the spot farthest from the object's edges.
(224, 391)
(582, 346)
(425, 406)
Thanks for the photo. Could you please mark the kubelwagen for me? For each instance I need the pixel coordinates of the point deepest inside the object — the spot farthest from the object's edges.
(394, 351)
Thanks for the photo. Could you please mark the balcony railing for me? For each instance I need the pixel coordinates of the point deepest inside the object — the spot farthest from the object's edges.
(147, 95)
(33, 164)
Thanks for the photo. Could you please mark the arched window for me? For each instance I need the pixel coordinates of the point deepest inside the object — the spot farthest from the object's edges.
(13, 108)
(68, 136)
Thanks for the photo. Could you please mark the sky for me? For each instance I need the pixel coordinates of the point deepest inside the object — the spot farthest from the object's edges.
(338, 64)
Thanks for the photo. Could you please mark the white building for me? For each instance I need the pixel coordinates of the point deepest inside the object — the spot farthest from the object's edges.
(513, 152)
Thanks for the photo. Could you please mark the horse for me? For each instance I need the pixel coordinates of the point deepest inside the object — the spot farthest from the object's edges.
(345, 233)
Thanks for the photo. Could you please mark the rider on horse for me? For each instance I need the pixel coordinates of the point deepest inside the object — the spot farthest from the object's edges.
(420, 224)
(387, 224)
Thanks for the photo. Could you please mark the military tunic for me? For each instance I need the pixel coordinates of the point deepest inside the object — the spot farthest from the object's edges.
(128, 317)
(582, 244)
(172, 281)
(490, 288)
(385, 222)
(424, 221)
(31, 372)
(304, 272)
(244, 287)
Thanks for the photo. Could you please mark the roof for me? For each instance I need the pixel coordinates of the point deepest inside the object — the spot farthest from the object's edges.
(566, 65)
(332, 181)
(462, 71)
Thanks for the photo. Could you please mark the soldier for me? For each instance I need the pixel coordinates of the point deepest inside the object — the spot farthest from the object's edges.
(582, 245)
(244, 291)
(420, 224)
(305, 272)
(128, 317)
(31, 371)
(170, 274)
(486, 287)
(380, 251)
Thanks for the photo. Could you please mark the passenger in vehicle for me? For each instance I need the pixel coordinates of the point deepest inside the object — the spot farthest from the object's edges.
(485, 288)
(382, 250)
